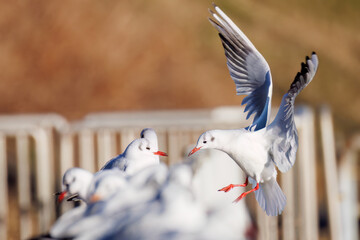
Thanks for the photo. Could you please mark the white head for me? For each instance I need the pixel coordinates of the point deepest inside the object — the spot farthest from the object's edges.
(76, 181)
(140, 148)
(150, 135)
(206, 140)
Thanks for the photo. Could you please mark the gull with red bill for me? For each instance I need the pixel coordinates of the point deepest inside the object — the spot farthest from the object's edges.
(76, 181)
(260, 147)
(104, 184)
(140, 153)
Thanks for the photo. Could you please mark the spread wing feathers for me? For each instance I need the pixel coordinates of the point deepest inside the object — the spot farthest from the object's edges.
(283, 130)
(248, 68)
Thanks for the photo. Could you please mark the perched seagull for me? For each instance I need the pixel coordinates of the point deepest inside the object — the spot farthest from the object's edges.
(139, 154)
(76, 182)
(258, 150)
(111, 212)
(104, 184)
(84, 185)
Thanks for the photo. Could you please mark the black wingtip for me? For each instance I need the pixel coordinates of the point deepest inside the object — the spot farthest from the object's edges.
(304, 68)
(214, 5)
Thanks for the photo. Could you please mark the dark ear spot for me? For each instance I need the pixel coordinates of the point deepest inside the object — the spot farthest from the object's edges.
(148, 148)
(212, 139)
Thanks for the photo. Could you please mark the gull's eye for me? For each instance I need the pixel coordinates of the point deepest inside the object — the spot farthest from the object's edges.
(204, 141)
(148, 148)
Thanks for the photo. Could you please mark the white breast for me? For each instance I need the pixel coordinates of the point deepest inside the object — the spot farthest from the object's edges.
(250, 151)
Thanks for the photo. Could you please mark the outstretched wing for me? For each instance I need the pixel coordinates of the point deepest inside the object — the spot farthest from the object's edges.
(248, 69)
(282, 130)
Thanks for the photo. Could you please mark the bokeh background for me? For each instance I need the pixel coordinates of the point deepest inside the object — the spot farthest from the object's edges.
(77, 57)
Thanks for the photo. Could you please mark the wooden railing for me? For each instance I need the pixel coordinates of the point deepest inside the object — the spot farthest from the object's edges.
(38, 149)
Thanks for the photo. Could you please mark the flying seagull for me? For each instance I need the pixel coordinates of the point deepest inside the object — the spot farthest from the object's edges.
(260, 147)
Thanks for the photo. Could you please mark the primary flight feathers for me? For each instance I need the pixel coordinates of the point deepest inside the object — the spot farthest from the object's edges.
(283, 127)
(248, 69)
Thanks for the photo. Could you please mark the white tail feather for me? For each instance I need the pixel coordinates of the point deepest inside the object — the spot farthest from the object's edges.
(270, 197)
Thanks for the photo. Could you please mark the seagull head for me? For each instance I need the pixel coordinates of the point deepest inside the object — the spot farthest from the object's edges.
(206, 140)
(75, 181)
(150, 135)
(142, 147)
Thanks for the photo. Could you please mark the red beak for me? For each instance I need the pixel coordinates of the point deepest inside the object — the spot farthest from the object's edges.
(160, 153)
(194, 151)
(62, 196)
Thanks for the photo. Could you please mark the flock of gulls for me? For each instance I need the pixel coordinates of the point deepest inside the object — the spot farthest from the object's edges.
(135, 196)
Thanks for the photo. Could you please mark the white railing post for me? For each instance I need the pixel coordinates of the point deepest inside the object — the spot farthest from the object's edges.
(66, 161)
(45, 178)
(3, 188)
(87, 151)
(288, 216)
(331, 175)
(268, 226)
(106, 142)
(349, 195)
(306, 166)
(66, 152)
(23, 184)
(173, 146)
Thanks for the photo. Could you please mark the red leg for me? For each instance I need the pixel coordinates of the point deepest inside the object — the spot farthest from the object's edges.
(231, 186)
(246, 193)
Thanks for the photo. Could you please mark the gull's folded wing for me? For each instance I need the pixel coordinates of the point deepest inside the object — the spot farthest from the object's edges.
(247, 67)
(282, 130)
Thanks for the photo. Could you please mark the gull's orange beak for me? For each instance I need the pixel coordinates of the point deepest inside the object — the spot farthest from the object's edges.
(160, 153)
(61, 196)
(194, 151)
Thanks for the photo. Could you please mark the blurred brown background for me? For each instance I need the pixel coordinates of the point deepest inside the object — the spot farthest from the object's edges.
(76, 57)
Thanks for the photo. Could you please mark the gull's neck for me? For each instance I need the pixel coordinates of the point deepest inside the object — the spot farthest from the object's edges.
(86, 181)
(226, 138)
